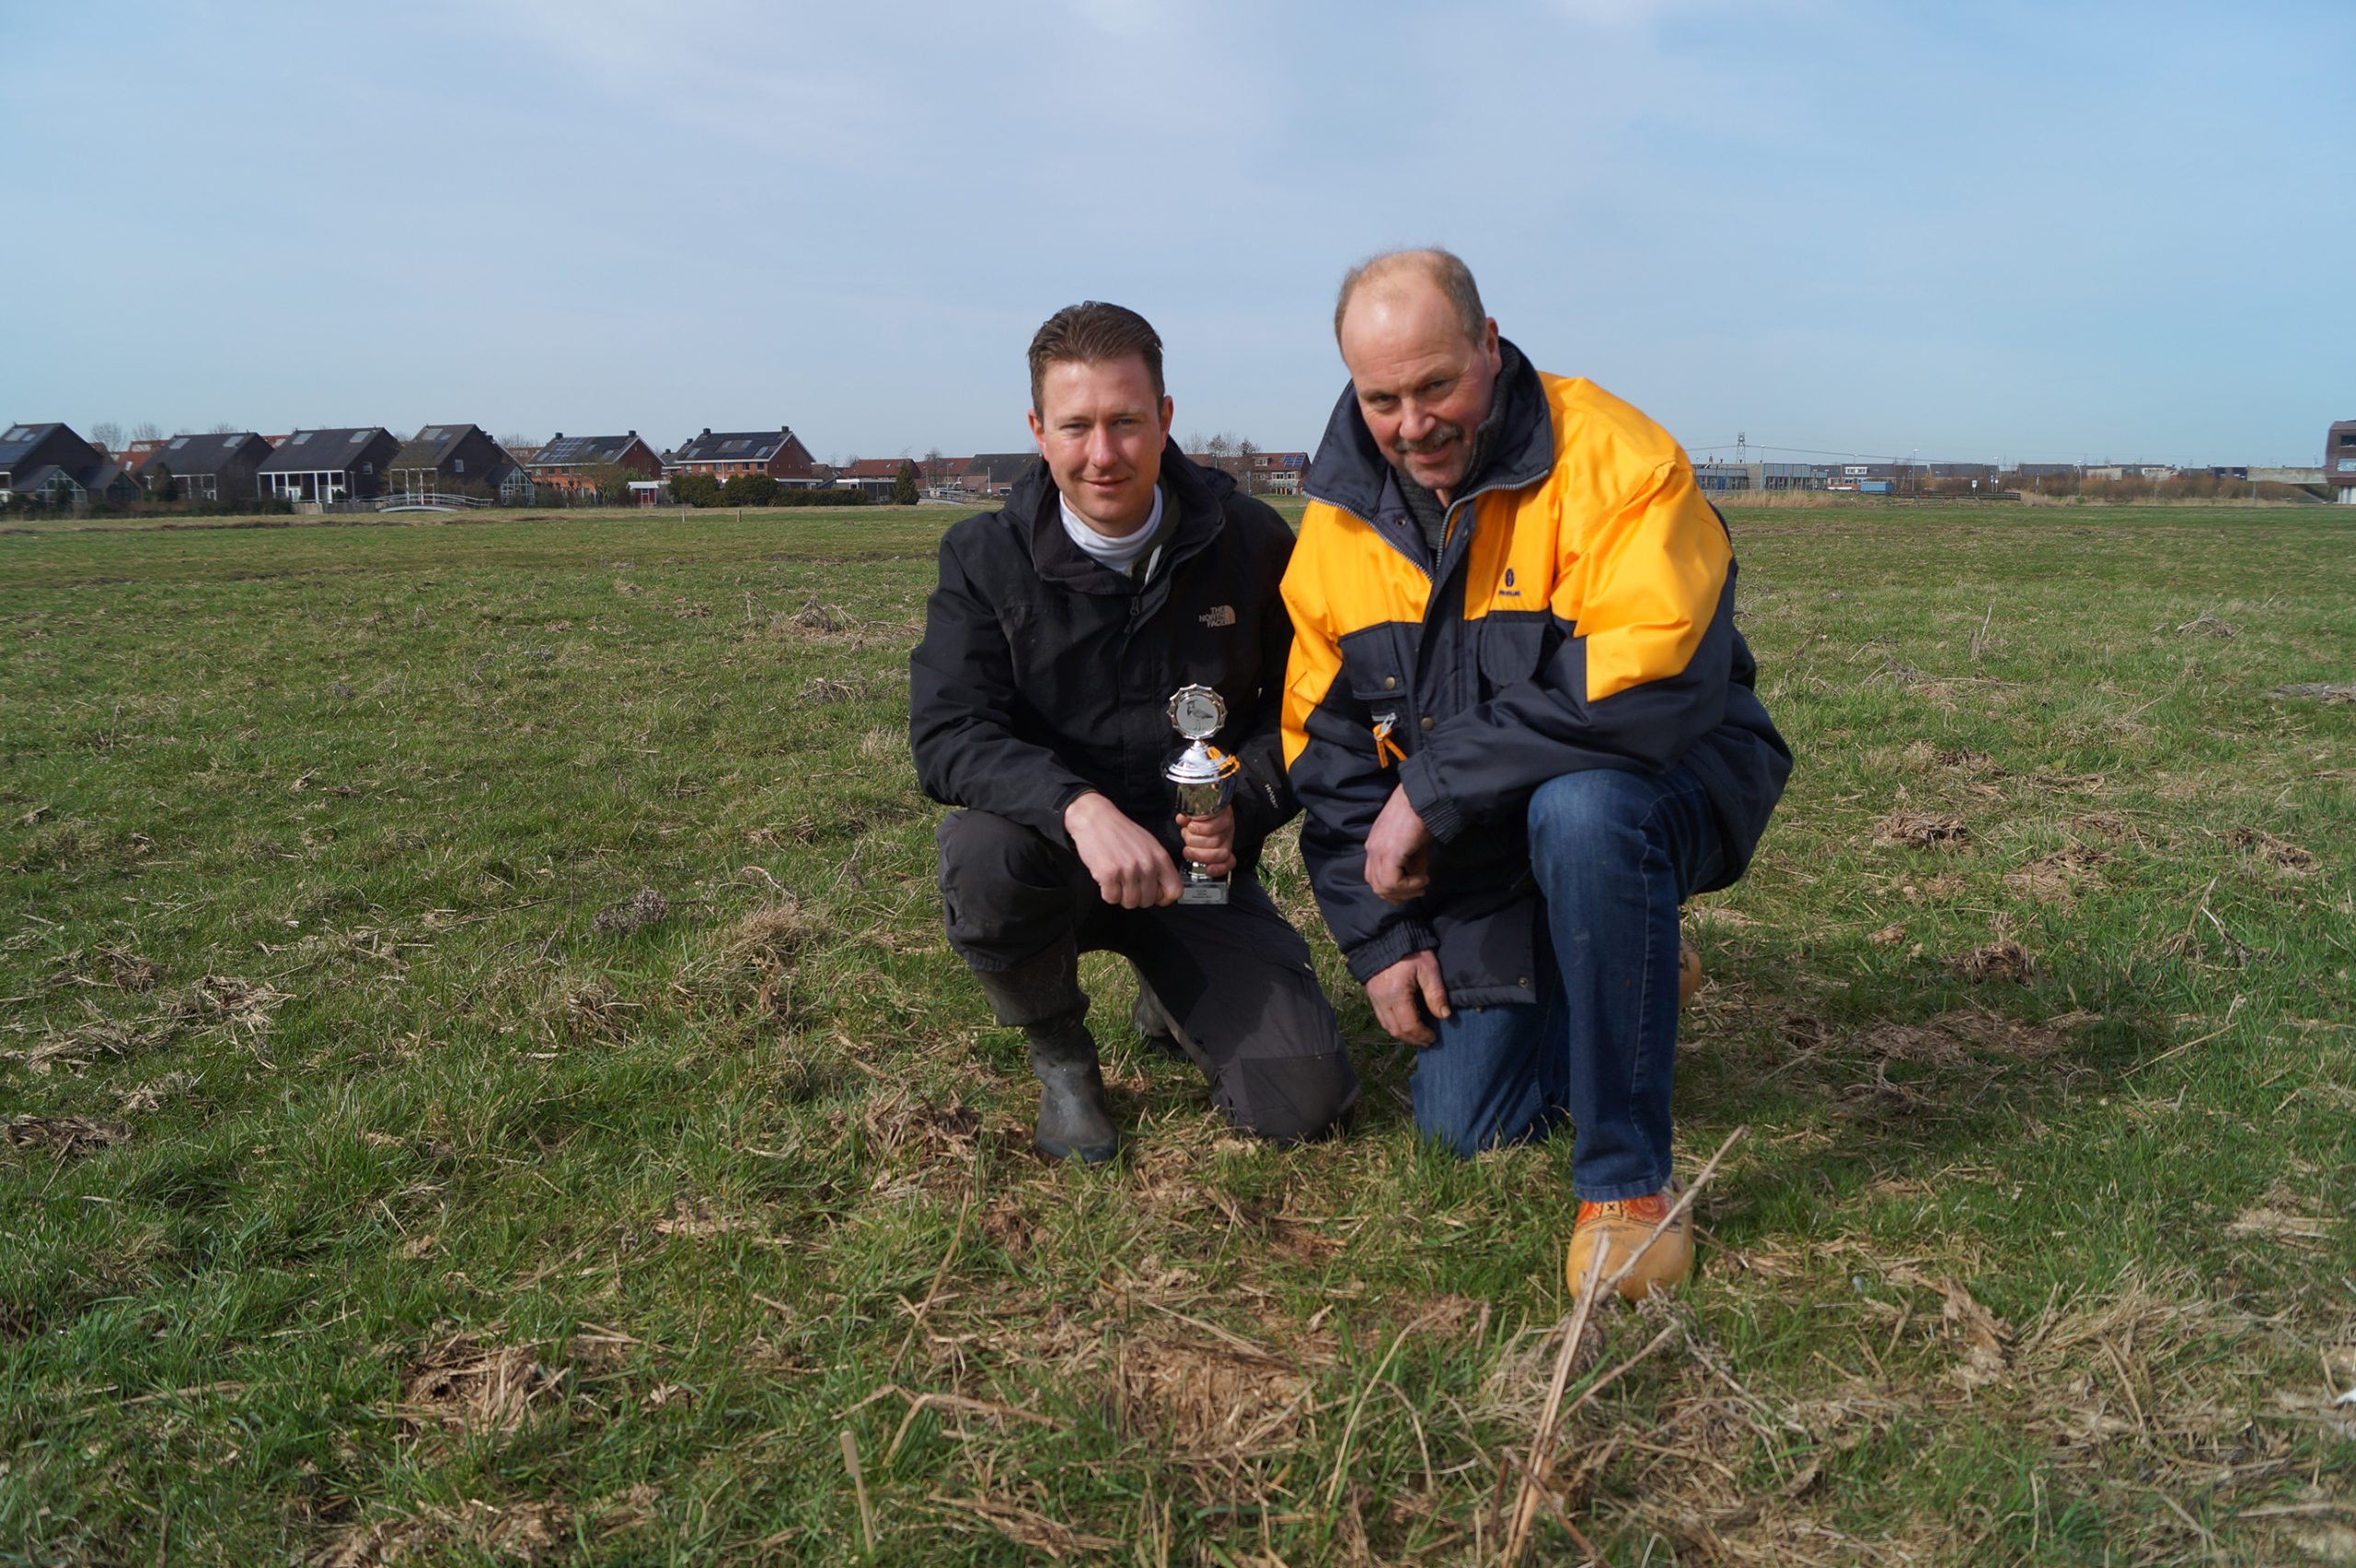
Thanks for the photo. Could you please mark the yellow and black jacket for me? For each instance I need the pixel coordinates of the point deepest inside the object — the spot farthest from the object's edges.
(1580, 614)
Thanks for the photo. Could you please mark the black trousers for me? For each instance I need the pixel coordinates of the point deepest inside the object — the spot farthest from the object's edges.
(1235, 978)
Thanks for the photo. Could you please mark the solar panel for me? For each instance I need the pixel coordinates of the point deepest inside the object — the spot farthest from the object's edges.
(179, 442)
(300, 436)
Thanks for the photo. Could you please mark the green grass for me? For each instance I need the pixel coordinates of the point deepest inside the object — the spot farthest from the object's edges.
(414, 1212)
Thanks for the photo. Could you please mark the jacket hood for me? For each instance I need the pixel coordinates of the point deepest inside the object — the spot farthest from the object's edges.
(1192, 517)
(1351, 472)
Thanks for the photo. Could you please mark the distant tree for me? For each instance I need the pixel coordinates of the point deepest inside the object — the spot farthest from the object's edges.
(903, 484)
(610, 480)
(936, 469)
(146, 429)
(1245, 452)
(165, 485)
(221, 427)
(107, 434)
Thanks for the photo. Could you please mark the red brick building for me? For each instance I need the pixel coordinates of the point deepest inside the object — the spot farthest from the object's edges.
(565, 463)
(778, 453)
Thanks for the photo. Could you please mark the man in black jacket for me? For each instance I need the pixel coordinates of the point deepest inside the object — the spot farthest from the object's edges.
(1119, 573)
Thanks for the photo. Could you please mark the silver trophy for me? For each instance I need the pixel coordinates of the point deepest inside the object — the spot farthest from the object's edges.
(1202, 776)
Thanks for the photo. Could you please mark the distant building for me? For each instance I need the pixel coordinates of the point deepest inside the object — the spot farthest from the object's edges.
(2339, 461)
(43, 450)
(567, 461)
(1718, 478)
(995, 473)
(205, 467)
(874, 478)
(460, 459)
(778, 453)
(323, 466)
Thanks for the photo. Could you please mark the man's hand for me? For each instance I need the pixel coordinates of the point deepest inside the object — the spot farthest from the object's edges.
(1131, 867)
(1397, 992)
(1396, 852)
(1209, 841)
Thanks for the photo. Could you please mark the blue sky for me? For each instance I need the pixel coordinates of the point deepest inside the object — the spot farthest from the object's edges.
(2043, 231)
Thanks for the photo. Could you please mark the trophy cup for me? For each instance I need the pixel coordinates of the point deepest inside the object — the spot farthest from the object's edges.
(1202, 776)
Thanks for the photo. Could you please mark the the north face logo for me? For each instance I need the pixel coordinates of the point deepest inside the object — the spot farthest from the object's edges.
(1218, 615)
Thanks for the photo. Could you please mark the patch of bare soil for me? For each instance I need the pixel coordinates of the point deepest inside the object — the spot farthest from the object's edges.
(2322, 691)
(2056, 877)
(62, 1134)
(466, 1385)
(1922, 830)
(1967, 1033)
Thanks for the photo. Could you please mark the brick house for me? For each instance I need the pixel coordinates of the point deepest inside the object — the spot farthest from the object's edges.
(778, 453)
(565, 463)
(874, 476)
(205, 467)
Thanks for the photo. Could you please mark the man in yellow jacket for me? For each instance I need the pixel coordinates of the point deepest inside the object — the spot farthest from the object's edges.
(1524, 729)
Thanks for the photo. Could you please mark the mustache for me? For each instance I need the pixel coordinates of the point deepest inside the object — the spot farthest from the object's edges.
(1440, 436)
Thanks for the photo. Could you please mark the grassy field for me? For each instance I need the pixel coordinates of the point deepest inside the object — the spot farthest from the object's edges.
(483, 1081)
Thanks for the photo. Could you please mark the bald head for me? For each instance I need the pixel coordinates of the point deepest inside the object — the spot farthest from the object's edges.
(1424, 362)
(1395, 274)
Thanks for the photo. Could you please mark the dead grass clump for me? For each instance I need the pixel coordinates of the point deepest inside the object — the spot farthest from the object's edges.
(595, 1012)
(832, 689)
(107, 966)
(62, 1134)
(647, 908)
(2279, 853)
(523, 1532)
(465, 1385)
(1966, 1033)
(928, 1131)
(828, 619)
(1209, 1399)
(97, 1036)
(2055, 878)
(2004, 960)
(1922, 830)
(2322, 691)
(242, 1005)
(766, 943)
(150, 1096)
(2206, 626)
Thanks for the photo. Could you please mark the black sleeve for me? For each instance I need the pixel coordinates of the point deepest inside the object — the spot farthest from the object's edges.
(961, 713)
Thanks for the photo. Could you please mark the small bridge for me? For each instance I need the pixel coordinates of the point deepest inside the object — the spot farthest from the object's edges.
(428, 500)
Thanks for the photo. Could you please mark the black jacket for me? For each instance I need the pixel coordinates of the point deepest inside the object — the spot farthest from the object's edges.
(1044, 675)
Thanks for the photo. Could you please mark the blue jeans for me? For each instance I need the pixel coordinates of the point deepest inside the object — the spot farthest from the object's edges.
(1614, 854)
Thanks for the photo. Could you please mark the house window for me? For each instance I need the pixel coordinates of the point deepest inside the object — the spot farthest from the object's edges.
(367, 468)
(2348, 438)
(458, 465)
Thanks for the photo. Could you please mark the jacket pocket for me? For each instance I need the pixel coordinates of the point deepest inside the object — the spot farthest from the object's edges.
(1513, 644)
(1370, 662)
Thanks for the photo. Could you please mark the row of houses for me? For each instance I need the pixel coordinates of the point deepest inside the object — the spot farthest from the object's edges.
(322, 467)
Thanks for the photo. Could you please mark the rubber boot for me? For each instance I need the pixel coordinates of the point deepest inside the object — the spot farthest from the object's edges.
(1042, 996)
(1152, 1020)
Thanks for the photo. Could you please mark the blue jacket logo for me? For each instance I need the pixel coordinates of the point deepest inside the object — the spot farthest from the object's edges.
(1509, 591)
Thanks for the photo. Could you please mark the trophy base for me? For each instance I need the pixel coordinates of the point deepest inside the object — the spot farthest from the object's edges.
(1203, 892)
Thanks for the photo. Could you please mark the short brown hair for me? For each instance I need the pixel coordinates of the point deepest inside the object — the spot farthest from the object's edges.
(1444, 268)
(1093, 332)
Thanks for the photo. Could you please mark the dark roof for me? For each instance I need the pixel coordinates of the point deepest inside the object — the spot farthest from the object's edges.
(876, 468)
(41, 478)
(18, 442)
(194, 453)
(322, 451)
(580, 451)
(733, 447)
(1003, 468)
(431, 445)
